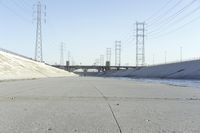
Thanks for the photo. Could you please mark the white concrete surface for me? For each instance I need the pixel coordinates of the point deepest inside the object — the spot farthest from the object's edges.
(82, 105)
(180, 70)
(16, 67)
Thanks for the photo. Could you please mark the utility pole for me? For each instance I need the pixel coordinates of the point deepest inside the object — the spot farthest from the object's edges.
(73, 61)
(38, 44)
(62, 54)
(108, 58)
(140, 48)
(68, 63)
(181, 56)
(101, 60)
(69, 56)
(117, 53)
(153, 59)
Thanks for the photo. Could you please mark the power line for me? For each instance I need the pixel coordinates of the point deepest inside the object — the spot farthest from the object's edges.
(177, 21)
(127, 37)
(172, 17)
(178, 28)
(26, 3)
(158, 11)
(21, 6)
(15, 13)
(164, 14)
(130, 40)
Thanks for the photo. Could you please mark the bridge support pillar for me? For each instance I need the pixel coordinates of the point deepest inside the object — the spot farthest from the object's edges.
(68, 66)
(85, 72)
(107, 65)
(99, 70)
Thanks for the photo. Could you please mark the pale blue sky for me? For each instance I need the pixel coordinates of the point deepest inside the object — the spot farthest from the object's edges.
(88, 27)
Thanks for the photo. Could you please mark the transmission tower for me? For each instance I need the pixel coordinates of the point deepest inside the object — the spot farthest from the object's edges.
(38, 44)
(117, 53)
(108, 54)
(140, 48)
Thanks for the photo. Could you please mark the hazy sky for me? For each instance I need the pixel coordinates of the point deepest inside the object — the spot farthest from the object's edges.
(88, 27)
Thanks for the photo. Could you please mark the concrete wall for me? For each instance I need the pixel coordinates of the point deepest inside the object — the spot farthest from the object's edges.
(14, 67)
(92, 74)
(181, 70)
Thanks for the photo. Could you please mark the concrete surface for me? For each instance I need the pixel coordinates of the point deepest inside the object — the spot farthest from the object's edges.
(179, 70)
(16, 67)
(97, 105)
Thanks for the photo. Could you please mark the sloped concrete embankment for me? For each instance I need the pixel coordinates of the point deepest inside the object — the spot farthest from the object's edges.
(181, 70)
(16, 67)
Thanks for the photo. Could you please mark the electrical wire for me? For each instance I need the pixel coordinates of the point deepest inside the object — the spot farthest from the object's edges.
(14, 12)
(158, 11)
(156, 20)
(177, 21)
(171, 17)
(177, 29)
(20, 5)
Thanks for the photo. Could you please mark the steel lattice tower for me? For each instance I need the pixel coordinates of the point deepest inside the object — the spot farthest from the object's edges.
(117, 53)
(108, 54)
(140, 48)
(38, 44)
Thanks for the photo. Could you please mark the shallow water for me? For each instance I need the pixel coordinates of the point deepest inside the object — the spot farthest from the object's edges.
(174, 82)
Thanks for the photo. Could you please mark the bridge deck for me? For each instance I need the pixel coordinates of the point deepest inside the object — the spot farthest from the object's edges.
(99, 68)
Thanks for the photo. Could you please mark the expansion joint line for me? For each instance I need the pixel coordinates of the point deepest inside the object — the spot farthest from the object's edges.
(113, 114)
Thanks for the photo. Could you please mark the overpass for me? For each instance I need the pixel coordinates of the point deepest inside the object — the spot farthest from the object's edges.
(85, 68)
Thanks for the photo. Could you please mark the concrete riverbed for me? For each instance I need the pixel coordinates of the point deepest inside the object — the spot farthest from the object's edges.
(97, 105)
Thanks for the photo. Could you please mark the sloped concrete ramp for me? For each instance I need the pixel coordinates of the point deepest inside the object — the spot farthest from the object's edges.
(14, 67)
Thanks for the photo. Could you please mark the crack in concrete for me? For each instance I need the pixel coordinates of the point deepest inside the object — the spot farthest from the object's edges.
(113, 114)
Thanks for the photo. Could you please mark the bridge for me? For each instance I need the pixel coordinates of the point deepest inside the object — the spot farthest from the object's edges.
(85, 68)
